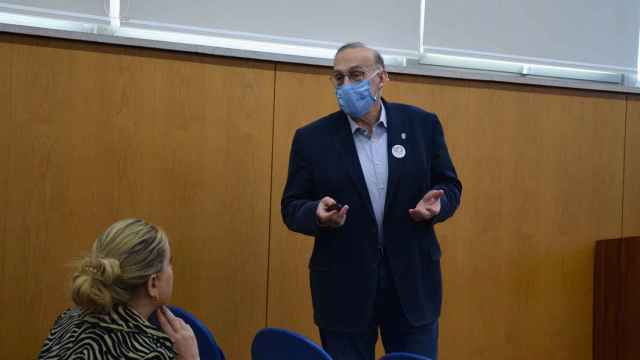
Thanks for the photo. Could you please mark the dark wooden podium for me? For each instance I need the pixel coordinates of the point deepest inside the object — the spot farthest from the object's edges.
(616, 300)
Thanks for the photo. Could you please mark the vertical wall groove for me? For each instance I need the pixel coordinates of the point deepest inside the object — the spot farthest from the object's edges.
(273, 131)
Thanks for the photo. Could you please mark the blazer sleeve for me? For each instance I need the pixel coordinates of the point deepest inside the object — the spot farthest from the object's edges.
(443, 174)
(298, 206)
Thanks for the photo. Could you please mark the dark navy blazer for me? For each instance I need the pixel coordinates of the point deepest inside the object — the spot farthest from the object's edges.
(343, 265)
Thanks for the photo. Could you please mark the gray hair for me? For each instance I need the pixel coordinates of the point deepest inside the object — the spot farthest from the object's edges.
(377, 58)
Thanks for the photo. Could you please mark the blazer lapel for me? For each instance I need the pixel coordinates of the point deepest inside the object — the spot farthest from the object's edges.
(349, 158)
(395, 129)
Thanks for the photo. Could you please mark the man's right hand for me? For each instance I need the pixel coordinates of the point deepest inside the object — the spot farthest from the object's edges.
(330, 218)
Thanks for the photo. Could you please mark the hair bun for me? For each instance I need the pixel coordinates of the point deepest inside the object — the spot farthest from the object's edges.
(105, 270)
(93, 283)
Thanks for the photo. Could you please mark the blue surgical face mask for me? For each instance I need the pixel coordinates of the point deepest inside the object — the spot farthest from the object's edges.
(356, 99)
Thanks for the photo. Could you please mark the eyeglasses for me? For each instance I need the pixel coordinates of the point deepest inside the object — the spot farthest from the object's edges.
(354, 75)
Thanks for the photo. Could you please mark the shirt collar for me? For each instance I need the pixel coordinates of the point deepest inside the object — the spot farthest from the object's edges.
(382, 120)
(123, 318)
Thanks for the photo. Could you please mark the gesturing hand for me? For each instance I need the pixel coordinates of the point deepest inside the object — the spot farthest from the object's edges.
(328, 216)
(180, 333)
(427, 207)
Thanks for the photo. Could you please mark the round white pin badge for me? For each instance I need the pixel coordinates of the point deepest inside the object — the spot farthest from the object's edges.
(398, 151)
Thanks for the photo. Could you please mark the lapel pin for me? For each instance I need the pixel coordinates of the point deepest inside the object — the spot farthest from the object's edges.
(398, 151)
(403, 136)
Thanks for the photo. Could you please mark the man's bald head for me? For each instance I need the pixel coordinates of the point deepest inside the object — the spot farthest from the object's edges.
(376, 57)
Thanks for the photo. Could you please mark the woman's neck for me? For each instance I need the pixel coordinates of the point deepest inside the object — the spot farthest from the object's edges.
(143, 307)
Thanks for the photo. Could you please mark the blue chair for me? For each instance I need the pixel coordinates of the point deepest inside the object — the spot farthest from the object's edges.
(207, 346)
(403, 356)
(280, 344)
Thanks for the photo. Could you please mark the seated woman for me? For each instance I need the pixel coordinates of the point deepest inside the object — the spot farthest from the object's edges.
(125, 278)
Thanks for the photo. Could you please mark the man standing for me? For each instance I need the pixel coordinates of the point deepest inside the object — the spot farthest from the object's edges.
(369, 182)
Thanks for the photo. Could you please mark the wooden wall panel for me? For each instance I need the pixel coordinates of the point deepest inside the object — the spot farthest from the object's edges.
(631, 221)
(97, 133)
(518, 260)
(5, 136)
(302, 94)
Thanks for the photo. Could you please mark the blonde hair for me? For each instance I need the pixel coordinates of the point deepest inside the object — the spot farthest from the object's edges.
(120, 263)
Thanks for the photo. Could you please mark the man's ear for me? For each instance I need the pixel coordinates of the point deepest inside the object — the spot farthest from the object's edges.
(384, 78)
(152, 287)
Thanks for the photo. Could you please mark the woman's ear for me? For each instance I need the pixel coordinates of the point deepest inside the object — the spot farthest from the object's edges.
(152, 287)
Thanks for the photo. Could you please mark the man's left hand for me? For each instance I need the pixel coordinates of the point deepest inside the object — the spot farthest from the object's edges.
(427, 207)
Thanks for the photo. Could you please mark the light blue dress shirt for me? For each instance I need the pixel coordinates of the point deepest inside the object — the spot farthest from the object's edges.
(373, 156)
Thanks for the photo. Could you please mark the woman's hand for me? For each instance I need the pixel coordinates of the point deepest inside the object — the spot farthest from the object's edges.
(181, 334)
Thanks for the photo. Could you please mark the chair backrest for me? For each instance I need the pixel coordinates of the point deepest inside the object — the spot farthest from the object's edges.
(207, 346)
(403, 356)
(280, 344)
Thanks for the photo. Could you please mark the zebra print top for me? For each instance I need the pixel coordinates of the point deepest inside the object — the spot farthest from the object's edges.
(121, 334)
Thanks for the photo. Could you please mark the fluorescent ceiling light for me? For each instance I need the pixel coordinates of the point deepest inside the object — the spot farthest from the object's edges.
(470, 63)
(393, 60)
(222, 42)
(43, 22)
(573, 73)
(240, 44)
(520, 68)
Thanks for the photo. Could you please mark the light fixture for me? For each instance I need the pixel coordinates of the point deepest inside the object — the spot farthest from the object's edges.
(520, 68)
(470, 63)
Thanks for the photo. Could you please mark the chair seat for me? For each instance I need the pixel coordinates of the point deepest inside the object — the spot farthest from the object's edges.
(276, 344)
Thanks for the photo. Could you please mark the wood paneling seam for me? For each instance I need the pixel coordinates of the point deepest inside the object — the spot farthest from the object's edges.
(273, 140)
